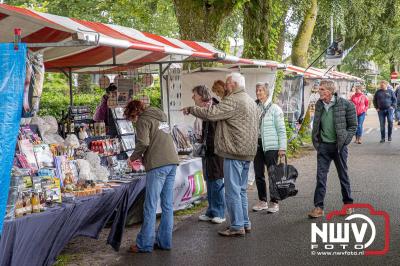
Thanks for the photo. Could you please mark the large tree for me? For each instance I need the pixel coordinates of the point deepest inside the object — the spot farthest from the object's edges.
(264, 28)
(303, 38)
(201, 20)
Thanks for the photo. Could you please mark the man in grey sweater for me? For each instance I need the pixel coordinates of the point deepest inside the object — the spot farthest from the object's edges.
(236, 141)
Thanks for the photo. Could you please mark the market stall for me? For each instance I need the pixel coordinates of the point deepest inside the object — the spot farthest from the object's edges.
(66, 181)
(300, 89)
(206, 76)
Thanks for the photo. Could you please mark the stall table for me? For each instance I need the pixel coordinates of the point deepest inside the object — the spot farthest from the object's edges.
(38, 239)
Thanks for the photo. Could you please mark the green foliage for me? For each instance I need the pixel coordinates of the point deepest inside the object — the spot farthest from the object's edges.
(264, 22)
(278, 84)
(155, 16)
(55, 96)
(295, 143)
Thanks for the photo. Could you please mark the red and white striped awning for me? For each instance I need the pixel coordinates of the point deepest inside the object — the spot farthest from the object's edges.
(317, 73)
(87, 46)
(311, 73)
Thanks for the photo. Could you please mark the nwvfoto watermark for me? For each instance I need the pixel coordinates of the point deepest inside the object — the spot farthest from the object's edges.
(334, 238)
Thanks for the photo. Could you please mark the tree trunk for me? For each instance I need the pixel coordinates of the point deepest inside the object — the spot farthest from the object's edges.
(392, 63)
(200, 20)
(263, 28)
(281, 45)
(303, 37)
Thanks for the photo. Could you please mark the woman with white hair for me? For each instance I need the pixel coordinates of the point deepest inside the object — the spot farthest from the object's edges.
(271, 145)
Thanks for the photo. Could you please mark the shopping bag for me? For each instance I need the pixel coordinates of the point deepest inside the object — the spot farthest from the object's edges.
(282, 179)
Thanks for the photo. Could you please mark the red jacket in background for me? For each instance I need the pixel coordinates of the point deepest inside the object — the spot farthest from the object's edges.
(361, 103)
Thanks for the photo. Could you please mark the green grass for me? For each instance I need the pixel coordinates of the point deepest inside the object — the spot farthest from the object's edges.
(63, 259)
(190, 211)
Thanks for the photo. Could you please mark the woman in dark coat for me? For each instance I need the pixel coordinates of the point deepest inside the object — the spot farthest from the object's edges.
(213, 165)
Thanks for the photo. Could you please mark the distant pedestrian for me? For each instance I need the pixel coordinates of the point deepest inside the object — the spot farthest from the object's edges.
(271, 145)
(236, 141)
(361, 102)
(213, 165)
(385, 103)
(335, 123)
(397, 93)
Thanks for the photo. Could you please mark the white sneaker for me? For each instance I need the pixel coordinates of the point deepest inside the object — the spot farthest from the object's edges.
(261, 205)
(204, 218)
(273, 207)
(218, 220)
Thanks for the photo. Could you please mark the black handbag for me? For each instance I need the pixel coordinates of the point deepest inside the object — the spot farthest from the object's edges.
(200, 148)
(282, 179)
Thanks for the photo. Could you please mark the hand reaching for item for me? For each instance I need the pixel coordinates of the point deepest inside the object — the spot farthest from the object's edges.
(185, 110)
(135, 165)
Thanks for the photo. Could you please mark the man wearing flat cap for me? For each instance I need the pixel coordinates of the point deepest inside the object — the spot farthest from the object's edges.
(335, 123)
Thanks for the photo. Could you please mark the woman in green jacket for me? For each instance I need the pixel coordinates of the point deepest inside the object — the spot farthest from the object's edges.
(271, 144)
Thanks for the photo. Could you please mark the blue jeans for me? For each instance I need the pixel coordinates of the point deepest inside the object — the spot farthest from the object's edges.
(236, 176)
(215, 197)
(159, 185)
(328, 152)
(397, 117)
(383, 114)
(360, 122)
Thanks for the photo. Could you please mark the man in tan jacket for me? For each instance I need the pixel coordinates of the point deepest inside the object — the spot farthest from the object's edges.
(236, 141)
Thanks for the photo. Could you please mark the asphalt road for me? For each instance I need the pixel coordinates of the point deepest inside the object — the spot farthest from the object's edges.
(284, 238)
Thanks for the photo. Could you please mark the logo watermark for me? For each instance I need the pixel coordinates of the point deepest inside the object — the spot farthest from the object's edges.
(352, 237)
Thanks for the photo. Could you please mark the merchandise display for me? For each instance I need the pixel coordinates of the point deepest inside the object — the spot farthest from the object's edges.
(183, 140)
(47, 170)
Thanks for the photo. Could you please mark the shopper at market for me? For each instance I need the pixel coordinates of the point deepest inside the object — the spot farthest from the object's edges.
(360, 100)
(155, 147)
(271, 145)
(219, 89)
(385, 103)
(101, 113)
(236, 141)
(335, 123)
(213, 165)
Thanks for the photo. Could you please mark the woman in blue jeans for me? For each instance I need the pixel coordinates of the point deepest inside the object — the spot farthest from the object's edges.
(213, 165)
(155, 147)
(360, 100)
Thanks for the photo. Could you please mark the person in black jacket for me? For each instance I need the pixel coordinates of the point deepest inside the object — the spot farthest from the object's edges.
(213, 164)
(385, 103)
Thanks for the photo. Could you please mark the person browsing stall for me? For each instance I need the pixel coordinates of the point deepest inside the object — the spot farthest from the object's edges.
(213, 165)
(236, 141)
(155, 147)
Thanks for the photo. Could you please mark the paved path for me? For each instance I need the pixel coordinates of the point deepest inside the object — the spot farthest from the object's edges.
(284, 238)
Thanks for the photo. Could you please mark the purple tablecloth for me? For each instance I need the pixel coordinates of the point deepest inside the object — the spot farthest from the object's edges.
(38, 239)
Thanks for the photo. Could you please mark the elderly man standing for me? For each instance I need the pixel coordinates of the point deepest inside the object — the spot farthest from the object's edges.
(236, 141)
(385, 103)
(335, 123)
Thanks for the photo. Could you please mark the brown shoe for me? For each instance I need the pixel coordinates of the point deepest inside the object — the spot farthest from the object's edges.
(247, 229)
(316, 213)
(231, 232)
(359, 141)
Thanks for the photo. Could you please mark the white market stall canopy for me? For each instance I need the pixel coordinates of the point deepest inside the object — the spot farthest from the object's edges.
(178, 87)
(86, 46)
